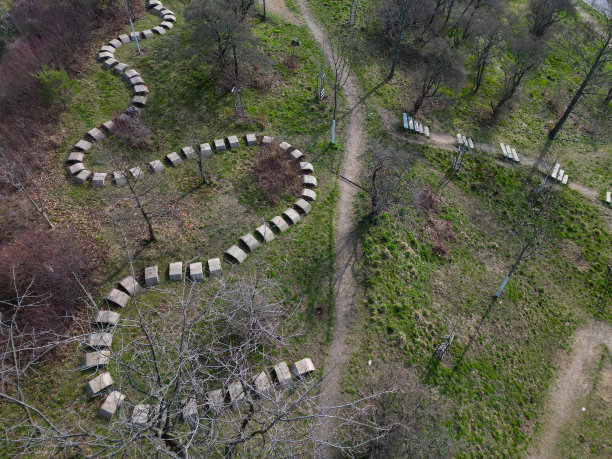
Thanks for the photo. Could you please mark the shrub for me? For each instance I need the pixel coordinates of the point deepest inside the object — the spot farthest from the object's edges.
(275, 173)
(132, 131)
(55, 86)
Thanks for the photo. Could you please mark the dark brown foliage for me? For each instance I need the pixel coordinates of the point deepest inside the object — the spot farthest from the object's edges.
(133, 132)
(275, 173)
(292, 62)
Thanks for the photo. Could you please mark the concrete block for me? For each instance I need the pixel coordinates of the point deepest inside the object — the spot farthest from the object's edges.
(153, 3)
(251, 140)
(120, 68)
(130, 285)
(609, 197)
(98, 179)
(76, 157)
(249, 241)
(83, 145)
(215, 401)
(125, 39)
(157, 8)
(205, 150)
(96, 134)
(302, 368)
(296, 154)
(106, 318)
(137, 172)
(134, 36)
(128, 75)
(137, 80)
(291, 216)
(285, 147)
(75, 168)
(140, 415)
(264, 233)
(151, 276)
(98, 384)
(261, 384)
(156, 166)
(117, 297)
(110, 405)
(564, 181)
(426, 131)
(235, 254)
(96, 359)
(308, 194)
(189, 152)
(267, 140)
(169, 18)
(233, 142)
(109, 126)
(105, 55)
(309, 180)
(174, 159)
(465, 142)
(139, 101)
(515, 156)
(109, 63)
(282, 375)
(236, 394)
(175, 271)
(147, 34)
(306, 168)
(82, 177)
(220, 145)
(115, 43)
(302, 206)
(167, 25)
(279, 224)
(119, 178)
(190, 412)
(560, 175)
(107, 49)
(555, 171)
(459, 139)
(100, 339)
(140, 89)
(195, 272)
(214, 267)
(470, 143)
(503, 148)
(159, 30)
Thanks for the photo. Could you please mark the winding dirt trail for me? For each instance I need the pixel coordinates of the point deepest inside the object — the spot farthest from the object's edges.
(345, 241)
(570, 386)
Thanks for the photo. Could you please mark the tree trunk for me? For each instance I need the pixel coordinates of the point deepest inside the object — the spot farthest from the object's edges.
(400, 35)
(264, 10)
(235, 61)
(608, 97)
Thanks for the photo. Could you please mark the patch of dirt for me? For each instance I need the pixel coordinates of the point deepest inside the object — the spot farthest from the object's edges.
(575, 254)
(570, 386)
(279, 8)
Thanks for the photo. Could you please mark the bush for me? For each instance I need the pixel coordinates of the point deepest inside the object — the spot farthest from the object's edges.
(55, 86)
(132, 132)
(275, 173)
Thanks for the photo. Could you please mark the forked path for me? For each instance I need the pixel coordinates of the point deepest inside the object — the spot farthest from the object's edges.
(571, 386)
(345, 238)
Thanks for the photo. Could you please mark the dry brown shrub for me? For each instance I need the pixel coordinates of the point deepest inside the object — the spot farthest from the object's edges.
(133, 132)
(292, 62)
(275, 173)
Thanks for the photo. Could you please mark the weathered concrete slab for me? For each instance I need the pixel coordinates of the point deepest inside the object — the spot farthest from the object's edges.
(309, 180)
(115, 43)
(267, 140)
(159, 30)
(82, 177)
(100, 339)
(264, 233)
(167, 25)
(140, 415)
(75, 157)
(109, 126)
(279, 224)
(189, 152)
(249, 241)
(470, 143)
(565, 178)
(296, 154)
(157, 8)
(137, 80)
(459, 139)
(302, 368)
(465, 142)
(75, 168)
(214, 267)
(174, 159)
(555, 170)
(110, 405)
(124, 38)
(515, 156)
(120, 68)
(137, 172)
(302, 206)
(147, 34)
(130, 285)
(609, 197)
(308, 194)
(291, 216)
(175, 271)
(140, 89)
(117, 297)
(236, 394)
(421, 130)
(503, 148)
(119, 178)
(96, 134)
(189, 412)
(285, 147)
(139, 101)
(98, 179)
(220, 145)
(306, 168)
(105, 55)
(195, 272)
(560, 175)
(128, 75)
(169, 18)
(261, 383)
(426, 132)
(153, 3)
(98, 384)
(282, 375)
(107, 49)
(109, 63)
(83, 145)
(156, 166)
(134, 36)
(205, 150)
(251, 140)
(215, 400)
(106, 318)
(97, 358)
(232, 140)
(151, 275)
(235, 254)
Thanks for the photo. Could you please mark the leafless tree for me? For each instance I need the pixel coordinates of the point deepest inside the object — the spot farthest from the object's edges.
(545, 13)
(488, 36)
(16, 174)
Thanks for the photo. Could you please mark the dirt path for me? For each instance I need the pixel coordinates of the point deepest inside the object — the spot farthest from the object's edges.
(279, 8)
(571, 385)
(345, 240)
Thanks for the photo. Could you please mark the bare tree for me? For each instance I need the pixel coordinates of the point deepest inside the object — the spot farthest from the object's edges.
(16, 174)
(545, 13)
(341, 72)
(398, 17)
(488, 36)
